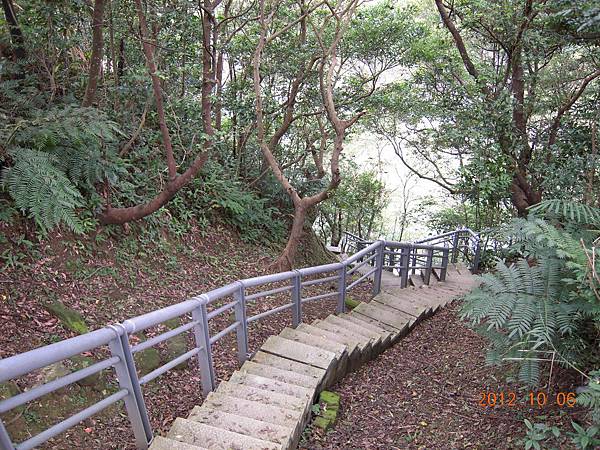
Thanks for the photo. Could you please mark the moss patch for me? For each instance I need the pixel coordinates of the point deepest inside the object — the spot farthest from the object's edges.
(68, 317)
(330, 402)
(351, 303)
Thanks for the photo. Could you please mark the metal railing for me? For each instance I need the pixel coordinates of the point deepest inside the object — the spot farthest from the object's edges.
(230, 301)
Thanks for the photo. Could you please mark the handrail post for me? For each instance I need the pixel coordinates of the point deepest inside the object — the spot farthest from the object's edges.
(455, 243)
(5, 441)
(428, 266)
(413, 252)
(378, 262)
(202, 339)
(241, 330)
(391, 260)
(477, 257)
(341, 304)
(127, 377)
(404, 265)
(444, 269)
(296, 300)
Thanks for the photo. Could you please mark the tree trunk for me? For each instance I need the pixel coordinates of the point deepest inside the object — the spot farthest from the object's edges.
(16, 35)
(524, 194)
(97, 53)
(285, 261)
(588, 195)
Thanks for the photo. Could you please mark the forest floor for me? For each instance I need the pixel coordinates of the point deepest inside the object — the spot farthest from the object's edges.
(425, 393)
(116, 275)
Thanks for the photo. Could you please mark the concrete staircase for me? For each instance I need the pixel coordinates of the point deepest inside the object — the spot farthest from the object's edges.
(267, 403)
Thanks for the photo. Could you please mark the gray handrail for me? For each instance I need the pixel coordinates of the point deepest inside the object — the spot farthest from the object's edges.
(399, 257)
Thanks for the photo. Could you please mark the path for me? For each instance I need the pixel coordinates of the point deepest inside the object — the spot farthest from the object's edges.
(267, 403)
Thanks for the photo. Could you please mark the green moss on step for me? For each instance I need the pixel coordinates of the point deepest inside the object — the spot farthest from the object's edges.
(323, 423)
(331, 399)
(330, 414)
(351, 303)
(69, 318)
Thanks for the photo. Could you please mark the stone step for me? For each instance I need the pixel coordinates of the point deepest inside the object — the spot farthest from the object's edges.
(315, 341)
(268, 397)
(296, 351)
(352, 344)
(340, 350)
(163, 443)
(269, 384)
(386, 336)
(431, 301)
(404, 304)
(194, 433)
(395, 333)
(376, 338)
(387, 315)
(285, 376)
(366, 346)
(287, 364)
(254, 410)
(416, 280)
(243, 425)
(430, 296)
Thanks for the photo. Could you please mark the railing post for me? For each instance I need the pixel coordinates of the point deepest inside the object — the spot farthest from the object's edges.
(414, 260)
(242, 327)
(5, 441)
(127, 377)
(428, 266)
(404, 264)
(202, 338)
(477, 257)
(391, 260)
(341, 305)
(359, 246)
(455, 243)
(444, 269)
(378, 263)
(296, 300)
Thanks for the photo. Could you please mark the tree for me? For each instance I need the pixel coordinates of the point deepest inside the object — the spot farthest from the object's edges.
(510, 72)
(97, 52)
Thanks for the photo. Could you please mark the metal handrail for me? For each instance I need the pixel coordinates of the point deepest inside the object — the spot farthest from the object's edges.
(373, 255)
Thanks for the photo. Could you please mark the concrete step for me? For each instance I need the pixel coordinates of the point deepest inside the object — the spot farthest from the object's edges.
(340, 366)
(387, 315)
(366, 343)
(386, 336)
(255, 410)
(395, 333)
(269, 384)
(285, 376)
(315, 341)
(243, 425)
(354, 347)
(163, 443)
(376, 338)
(351, 343)
(416, 280)
(194, 433)
(404, 303)
(268, 397)
(296, 351)
(431, 301)
(287, 364)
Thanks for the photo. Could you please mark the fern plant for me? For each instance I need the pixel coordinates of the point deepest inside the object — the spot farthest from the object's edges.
(542, 306)
(56, 158)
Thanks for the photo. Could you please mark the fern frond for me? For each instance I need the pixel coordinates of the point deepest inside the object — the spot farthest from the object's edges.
(570, 210)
